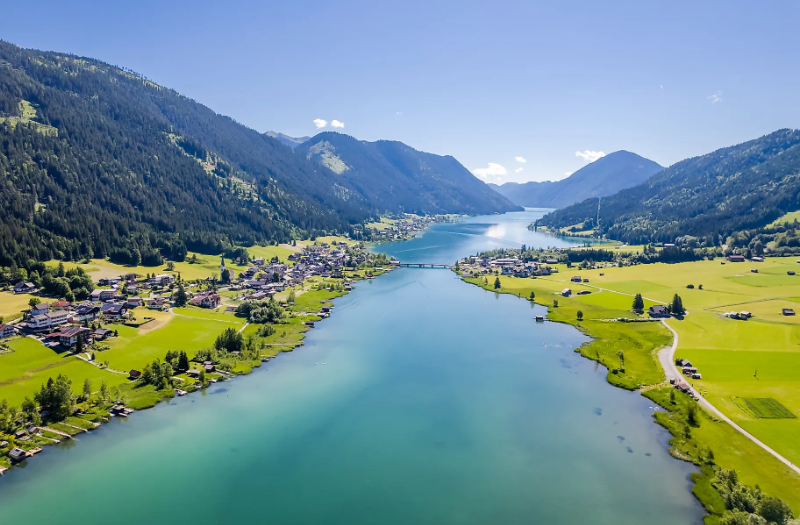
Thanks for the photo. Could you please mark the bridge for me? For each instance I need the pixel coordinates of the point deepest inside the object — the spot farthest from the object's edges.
(424, 265)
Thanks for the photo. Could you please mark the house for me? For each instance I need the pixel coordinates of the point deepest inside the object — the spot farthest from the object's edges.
(134, 302)
(24, 287)
(790, 272)
(757, 259)
(210, 301)
(134, 374)
(48, 320)
(69, 337)
(658, 310)
(685, 362)
(85, 313)
(60, 305)
(162, 279)
(787, 311)
(17, 454)
(102, 333)
(575, 278)
(209, 368)
(40, 309)
(6, 330)
(113, 310)
(103, 294)
(744, 314)
(735, 258)
(309, 324)
(157, 303)
(566, 292)
(193, 373)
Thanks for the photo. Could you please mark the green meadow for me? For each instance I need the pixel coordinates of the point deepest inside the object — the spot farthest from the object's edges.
(756, 359)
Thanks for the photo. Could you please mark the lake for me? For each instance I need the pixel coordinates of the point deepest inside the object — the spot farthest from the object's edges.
(421, 400)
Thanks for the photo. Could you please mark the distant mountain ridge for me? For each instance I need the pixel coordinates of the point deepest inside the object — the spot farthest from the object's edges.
(605, 176)
(286, 140)
(740, 187)
(401, 178)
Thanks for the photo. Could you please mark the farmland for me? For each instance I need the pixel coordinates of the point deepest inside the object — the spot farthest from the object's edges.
(748, 366)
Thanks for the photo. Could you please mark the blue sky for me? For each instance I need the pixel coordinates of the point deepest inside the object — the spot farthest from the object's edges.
(486, 82)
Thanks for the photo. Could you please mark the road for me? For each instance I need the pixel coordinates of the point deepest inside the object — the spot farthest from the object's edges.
(667, 358)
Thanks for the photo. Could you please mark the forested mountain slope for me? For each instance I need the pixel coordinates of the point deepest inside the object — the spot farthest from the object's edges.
(98, 161)
(744, 186)
(401, 178)
(605, 176)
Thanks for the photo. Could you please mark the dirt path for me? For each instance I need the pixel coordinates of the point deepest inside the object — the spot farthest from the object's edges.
(667, 358)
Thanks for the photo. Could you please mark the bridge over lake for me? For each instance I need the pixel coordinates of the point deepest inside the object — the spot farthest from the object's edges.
(423, 265)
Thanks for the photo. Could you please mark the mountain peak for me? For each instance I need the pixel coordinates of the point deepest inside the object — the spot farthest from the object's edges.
(605, 176)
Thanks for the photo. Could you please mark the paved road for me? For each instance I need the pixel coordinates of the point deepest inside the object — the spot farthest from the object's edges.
(667, 358)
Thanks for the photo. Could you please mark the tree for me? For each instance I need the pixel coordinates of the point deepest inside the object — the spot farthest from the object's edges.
(180, 296)
(638, 303)
(183, 361)
(292, 297)
(672, 396)
(580, 315)
(621, 355)
(202, 376)
(555, 303)
(33, 301)
(229, 340)
(103, 391)
(225, 276)
(691, 415)
(533, 296)
(677, 305)
(56, 397)
(497, 283)
(170, 266)
(87, 388)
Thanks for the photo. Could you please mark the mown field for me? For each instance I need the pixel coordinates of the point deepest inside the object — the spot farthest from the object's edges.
(756, 359)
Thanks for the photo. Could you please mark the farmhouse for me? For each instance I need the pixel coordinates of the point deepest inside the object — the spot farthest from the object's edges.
(85, 313)
(787, 311)
(575, 278)
(69, 337)
(566, 292)
(6, 330)
(114, 311)
(658, 310)
(104, 294)
(101, 333)
(735, 258)
(24, 287)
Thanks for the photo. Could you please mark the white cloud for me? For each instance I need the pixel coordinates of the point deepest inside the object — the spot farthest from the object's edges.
(716, 97)
(337, 124)
(589, 155)
(399, 112)
(320, 123)
(661, 86)
(492, 173)
(520, 159)
(518, 170)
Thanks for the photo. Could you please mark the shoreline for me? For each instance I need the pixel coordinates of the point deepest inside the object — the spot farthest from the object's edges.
(103, 411)
(684, 445)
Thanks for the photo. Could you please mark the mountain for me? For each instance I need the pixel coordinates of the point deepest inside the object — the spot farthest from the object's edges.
(286, 140)
(605, 176)
(402, 178)
(96, 160)
(732, 189)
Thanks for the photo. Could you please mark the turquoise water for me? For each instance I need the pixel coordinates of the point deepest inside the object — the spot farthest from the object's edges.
(438, 403)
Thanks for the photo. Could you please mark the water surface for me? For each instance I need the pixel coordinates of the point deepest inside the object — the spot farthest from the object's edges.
(437, 403)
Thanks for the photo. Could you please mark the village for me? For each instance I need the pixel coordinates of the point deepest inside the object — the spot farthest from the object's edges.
(300, 287)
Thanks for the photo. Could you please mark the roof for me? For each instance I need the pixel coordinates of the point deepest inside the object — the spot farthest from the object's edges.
(658, 308)
(73, 331)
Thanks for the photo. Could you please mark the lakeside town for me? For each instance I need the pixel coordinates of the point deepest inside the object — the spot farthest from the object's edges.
(295, 291)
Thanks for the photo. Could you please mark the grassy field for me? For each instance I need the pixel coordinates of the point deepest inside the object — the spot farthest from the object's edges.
(384, 223)
(27, 368)
(12, 305)
(740, 360)
(789, 217)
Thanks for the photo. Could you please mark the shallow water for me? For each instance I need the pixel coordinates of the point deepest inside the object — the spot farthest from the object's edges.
(437, 402)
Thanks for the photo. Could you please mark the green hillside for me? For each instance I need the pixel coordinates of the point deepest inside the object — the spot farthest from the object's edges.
(399, 178)
(709, 197)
